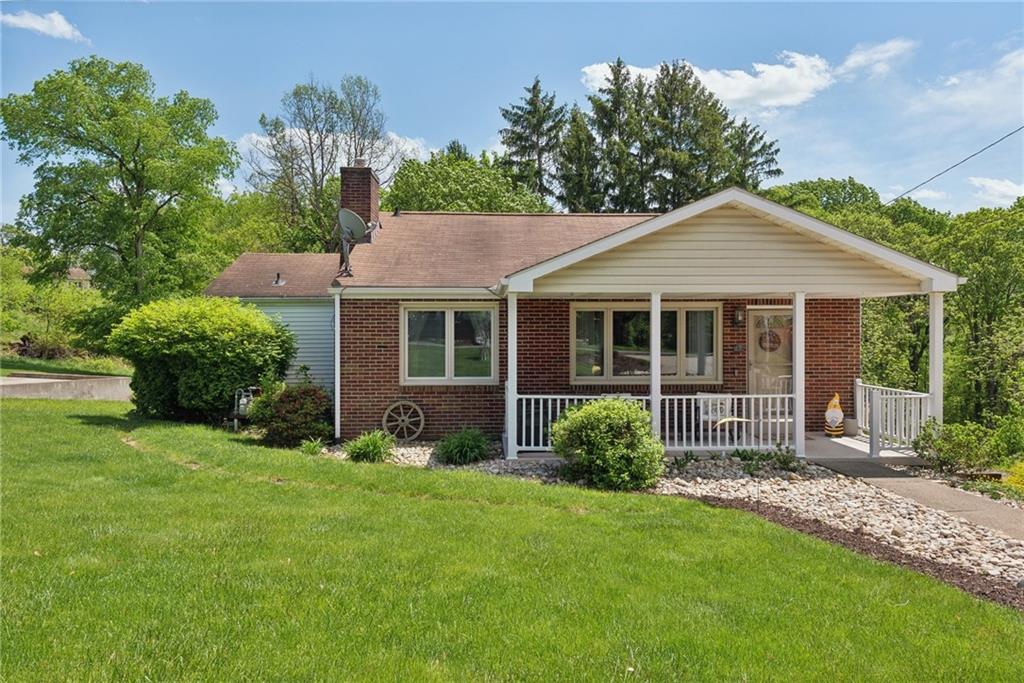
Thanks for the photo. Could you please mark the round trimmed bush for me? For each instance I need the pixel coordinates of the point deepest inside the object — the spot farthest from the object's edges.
(610, 442)
(463, 447)
(190, 355)
(299, 413)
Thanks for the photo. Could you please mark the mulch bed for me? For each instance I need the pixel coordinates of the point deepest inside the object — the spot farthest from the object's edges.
(1002, 591)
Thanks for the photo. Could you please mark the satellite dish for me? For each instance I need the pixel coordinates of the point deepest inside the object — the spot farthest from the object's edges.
(353, 227)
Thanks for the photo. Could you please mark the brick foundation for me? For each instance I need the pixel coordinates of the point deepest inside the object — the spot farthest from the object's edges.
(370, 364)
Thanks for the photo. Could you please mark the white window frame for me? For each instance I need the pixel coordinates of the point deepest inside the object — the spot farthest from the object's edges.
(680, 307)
(449, 309)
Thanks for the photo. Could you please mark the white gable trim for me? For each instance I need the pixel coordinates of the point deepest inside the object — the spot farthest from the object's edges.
(932, 278)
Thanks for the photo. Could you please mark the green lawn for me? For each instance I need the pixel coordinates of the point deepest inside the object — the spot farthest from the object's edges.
(165, 552)
(98, 365)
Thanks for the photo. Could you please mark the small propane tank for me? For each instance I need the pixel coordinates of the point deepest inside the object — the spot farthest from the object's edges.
(834, 418)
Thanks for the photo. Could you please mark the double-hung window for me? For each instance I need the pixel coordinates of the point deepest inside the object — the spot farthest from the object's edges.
(612, 343)
(449, 344)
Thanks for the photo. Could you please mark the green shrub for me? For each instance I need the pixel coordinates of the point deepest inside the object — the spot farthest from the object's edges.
(297, 414)
(1007, 441)
(190, 355)
(463, 447)
(963, 447)
(781, 457)
(262, 406)
(1016, 478)
(375, 446)
(312, 447)
(610, 442)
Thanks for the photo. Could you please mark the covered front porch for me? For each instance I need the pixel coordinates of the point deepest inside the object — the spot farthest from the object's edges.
(756, 396)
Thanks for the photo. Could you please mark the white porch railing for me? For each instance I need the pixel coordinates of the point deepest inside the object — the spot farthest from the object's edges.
(688, 423)
(537, 413)
(890, 418)
(718, 422)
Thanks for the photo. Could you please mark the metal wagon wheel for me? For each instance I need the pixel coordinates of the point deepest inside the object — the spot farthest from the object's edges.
(403, 420)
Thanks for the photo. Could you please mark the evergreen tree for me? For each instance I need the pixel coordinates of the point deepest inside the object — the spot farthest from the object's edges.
(645, 152)
(578, 171)
(690, 126)
(532, 137)
(457, 150)
(613, 123)
(754, 159)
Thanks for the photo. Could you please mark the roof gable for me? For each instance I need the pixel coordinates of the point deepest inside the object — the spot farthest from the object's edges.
(916, 275)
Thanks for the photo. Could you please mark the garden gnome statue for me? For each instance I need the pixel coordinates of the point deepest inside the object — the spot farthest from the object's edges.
(834, 418)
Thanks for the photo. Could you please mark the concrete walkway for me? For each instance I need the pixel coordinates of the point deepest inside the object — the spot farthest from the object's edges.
(969, 506)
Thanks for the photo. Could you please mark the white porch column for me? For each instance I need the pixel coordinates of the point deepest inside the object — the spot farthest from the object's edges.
(512, 378)
(655, 329)
(935, 348)
(799, 393)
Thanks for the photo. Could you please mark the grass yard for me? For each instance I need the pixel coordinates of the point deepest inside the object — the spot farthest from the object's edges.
(96, 365)
(166, 552)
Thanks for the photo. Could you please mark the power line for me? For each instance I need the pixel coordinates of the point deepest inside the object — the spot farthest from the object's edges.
(943, 172)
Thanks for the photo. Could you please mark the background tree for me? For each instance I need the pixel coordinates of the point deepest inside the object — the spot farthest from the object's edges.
(449, 183)
(118, 168)
(296, 159)
(667, 141)
(613, 126)
(532, 136)
(457, 150)
(577, 167)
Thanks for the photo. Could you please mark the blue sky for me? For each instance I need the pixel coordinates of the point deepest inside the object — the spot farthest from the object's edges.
(889, 94)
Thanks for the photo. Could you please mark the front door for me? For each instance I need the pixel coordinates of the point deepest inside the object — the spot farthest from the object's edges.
(770, 350)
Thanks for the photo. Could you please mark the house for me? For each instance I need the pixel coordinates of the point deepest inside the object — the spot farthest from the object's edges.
(737, 307)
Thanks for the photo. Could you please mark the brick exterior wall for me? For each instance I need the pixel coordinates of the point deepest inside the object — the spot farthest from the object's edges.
(370, 364)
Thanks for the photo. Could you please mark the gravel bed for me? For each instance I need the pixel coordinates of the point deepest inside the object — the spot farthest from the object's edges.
(849, 504)
(951, 480)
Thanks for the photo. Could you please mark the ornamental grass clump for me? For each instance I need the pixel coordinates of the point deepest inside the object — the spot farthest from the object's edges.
(609, 442)
(375, 446)
(463, 447)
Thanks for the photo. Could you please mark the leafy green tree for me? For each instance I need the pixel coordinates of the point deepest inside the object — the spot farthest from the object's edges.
(117, 168)
(448, 183)
(531, 137)
(987, 247)
(578, 167)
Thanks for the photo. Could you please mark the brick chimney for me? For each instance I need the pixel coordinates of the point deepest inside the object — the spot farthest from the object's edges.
(360, 190)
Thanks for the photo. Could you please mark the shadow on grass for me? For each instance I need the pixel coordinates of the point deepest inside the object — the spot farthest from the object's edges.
(122, 423)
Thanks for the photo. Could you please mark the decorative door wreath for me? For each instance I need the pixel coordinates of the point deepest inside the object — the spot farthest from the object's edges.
(769, 341)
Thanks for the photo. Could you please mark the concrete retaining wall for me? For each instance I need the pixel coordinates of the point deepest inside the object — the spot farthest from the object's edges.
(100, 388)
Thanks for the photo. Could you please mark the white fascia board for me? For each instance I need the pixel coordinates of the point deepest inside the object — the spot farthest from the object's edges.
(455, 293)
(934, 278)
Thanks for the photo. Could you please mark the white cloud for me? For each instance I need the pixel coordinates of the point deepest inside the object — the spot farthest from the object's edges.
(998, 191)
(53, 24)
(796, 79)
(877, 59)
(595, 75)
(991, 96)
(791, 81)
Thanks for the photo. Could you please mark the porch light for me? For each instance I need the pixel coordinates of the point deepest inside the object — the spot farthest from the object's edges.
(739, 317)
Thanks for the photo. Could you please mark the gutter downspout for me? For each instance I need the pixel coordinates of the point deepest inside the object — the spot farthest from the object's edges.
(337, 365)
